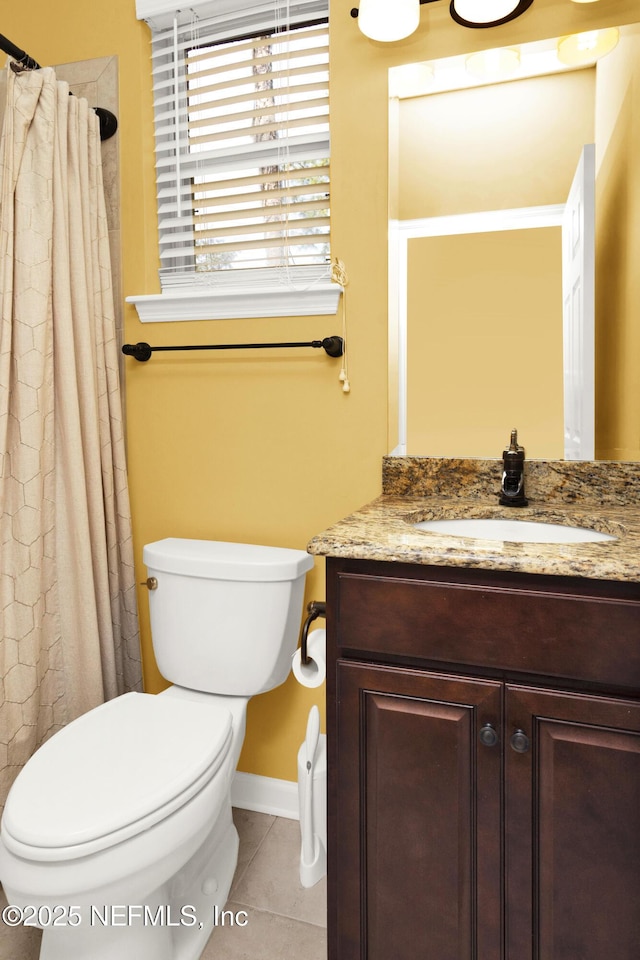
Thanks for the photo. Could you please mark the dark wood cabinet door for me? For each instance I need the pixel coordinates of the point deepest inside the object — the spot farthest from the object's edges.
(572, 817)
(416, 847)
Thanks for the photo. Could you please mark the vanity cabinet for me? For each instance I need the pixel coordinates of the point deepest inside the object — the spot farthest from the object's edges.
(484, 764)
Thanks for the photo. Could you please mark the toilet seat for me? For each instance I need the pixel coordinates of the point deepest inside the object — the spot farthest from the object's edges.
(112, 773)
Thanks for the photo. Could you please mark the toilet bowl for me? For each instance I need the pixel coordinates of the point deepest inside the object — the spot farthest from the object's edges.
(117, 836)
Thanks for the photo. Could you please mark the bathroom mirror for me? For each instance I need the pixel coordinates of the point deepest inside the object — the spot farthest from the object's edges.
(479, 180)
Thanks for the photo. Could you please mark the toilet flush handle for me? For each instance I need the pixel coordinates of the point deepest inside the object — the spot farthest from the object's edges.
(151, 583)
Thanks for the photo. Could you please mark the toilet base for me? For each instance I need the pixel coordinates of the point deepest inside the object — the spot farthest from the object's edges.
(174, 922)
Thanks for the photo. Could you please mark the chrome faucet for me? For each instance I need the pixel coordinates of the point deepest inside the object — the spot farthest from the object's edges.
(512, 486)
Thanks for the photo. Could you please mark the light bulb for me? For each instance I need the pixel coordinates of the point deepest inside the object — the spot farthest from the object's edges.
(582, 48)
(385, 21)
(410, 79)
(493, 64)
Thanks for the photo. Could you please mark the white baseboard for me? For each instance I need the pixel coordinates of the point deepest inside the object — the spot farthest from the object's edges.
(265, 795)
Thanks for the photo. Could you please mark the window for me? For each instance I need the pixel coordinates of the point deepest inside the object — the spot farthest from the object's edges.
(242, 161)
(258, 118)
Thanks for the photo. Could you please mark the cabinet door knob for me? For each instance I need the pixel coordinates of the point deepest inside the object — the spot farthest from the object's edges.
(520, 742)
(488, 735)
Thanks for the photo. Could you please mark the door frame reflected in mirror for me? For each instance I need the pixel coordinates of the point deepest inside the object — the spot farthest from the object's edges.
(401, 232)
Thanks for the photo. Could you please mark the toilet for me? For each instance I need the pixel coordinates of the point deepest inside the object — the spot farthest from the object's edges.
(117, 837)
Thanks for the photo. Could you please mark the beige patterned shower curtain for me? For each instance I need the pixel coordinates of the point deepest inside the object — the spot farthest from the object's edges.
(67, 597)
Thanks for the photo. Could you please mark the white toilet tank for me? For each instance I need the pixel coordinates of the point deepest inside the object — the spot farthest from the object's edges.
(225, 617)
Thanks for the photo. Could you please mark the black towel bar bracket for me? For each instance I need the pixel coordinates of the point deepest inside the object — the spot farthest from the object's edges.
(333, 346)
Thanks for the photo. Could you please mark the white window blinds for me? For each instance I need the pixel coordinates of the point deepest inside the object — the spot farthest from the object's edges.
(242, 145)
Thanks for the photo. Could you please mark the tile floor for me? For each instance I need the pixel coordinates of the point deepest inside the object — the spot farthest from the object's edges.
(285, 921)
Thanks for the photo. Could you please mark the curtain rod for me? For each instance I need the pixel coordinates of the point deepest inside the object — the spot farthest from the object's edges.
(27, 62)
(108, 121)
(333, 346)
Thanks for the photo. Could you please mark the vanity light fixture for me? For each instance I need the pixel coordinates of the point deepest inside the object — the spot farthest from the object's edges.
(385, 21)
(487, 13)
(389, 20)
(579, 49)
(411, 79)
(492, 65)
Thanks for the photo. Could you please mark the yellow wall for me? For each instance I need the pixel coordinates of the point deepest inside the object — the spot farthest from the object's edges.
(491, 304)
(255, 448)
(497, 147)
(618, 253)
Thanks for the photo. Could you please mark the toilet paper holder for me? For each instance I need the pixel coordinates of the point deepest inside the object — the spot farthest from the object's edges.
(315, 609)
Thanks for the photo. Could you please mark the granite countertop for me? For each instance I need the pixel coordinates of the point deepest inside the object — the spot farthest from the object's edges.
(600, 495)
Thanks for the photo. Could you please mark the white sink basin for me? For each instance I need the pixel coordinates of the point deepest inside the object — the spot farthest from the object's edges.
(518, 531)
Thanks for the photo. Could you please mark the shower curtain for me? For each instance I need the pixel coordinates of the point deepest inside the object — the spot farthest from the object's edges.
(68, 613)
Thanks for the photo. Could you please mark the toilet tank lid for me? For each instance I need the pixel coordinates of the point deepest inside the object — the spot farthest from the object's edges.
(216, 559)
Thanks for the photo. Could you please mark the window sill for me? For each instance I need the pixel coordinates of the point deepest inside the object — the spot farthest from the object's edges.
(175, 305)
